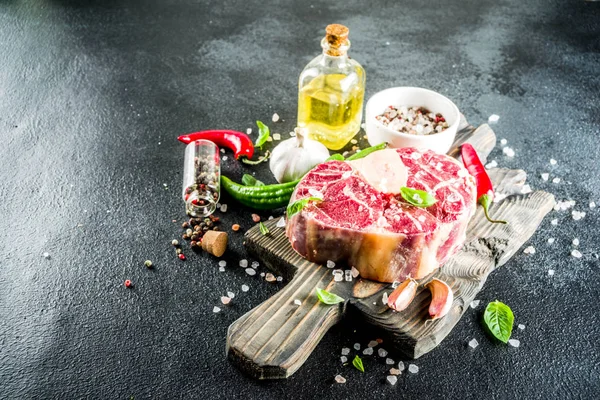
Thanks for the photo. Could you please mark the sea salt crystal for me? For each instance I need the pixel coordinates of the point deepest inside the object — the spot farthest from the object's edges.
(248, 131)
(389, 361)
(338, 278)
(251, 271)
(245, 288)
(545, 176)
(262, 274)
(577, 215)
(348, 275)
(392, 379)
(225, 300)
(556, 180)
(354, 141)
(550, 272)
(526, 189)
(592, 204)
(382, 352)
(280, 279)
(529, 250)
(297, 302)
(413, 369)
(384, 298)
(508, 152)
(340, 379)
(576, 253)
(368, 351)
(356, 346)
(521, 326)
(498, 197)
(373, 343)
(216, 309)
(46, 254)
(551, 240)
(491, 164)
(552, 161)
(276, 136)
(222, 263)
(243, 263)
(575, 242)
(224, 158)
(503, 142)
(330, 264)
(230, 294)
(475, 303)
(254, 264)
(275, 117)
(494, 118)
(345, 351)
(223, 208)
(221, 269)
(269, 277)
(354, 272)
(281, 223)
(554, 221)
(514, 342)
(343, 359)
(395, 371)
(401, 366)
(473, 343)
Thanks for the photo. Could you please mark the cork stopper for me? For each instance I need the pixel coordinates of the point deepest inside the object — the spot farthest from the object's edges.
(336, 36)
(215, 243)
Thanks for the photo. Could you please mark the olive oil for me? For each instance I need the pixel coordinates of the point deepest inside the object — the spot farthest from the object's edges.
(331, 92)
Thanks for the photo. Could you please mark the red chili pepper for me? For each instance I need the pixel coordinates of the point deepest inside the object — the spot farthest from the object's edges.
(128, 283)
(182, 257)
(238, 142)
(485, 190)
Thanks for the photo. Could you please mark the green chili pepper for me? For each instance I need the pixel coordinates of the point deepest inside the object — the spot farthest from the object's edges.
(265, 197)
(268, 197)
(367, 151)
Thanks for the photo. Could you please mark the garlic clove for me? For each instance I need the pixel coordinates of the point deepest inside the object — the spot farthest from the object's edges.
(403, 295)
(441, 298)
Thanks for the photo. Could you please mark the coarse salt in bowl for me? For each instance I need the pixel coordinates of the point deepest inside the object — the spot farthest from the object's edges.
(377, 132)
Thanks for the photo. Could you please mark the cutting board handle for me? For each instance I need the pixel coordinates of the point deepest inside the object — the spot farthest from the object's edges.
(274, 339)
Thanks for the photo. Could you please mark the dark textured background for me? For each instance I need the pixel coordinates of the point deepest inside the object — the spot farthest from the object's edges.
(92, 96)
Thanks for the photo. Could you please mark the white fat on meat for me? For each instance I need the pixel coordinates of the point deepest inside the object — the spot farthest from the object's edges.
(384, 170)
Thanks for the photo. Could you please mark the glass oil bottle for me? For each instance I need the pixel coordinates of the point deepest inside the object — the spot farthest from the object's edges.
(331, 92)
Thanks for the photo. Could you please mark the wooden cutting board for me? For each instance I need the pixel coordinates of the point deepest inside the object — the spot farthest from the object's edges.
(274, 339)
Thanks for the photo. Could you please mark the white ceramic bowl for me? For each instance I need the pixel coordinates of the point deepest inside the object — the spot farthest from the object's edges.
(411, 96)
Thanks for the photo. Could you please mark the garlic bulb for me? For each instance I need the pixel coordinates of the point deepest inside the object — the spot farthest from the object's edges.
(293, 158)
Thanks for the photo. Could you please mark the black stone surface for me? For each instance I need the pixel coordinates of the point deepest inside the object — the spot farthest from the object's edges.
(92, 97)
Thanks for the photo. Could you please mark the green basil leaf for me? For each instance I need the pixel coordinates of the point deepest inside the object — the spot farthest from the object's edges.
(298, 205)
(328, 298)
(261, 159)
(419, 198)
(263, 229)
(263, 134)
(358, 364)
(337, 157)
(499, 319)
(249, 180)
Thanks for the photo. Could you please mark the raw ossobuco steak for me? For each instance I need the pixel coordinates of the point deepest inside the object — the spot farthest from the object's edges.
(363, 219)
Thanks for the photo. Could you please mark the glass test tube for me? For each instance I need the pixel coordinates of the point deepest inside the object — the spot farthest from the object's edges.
(201, 178)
